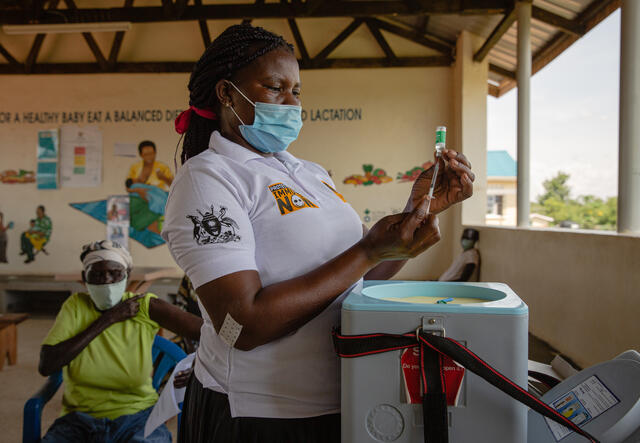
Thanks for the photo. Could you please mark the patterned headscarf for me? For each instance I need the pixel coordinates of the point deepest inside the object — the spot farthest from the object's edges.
(105, 250)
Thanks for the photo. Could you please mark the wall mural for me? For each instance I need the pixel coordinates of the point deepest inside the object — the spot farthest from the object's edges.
(412, 174)
(36, 237)
(147, 184)
(371, 176)
(12, 176)
(3, 238)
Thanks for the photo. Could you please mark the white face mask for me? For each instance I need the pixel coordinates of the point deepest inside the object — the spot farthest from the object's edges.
(107, 296)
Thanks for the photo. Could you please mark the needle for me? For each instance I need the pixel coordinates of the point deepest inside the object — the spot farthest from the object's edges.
(433, 181)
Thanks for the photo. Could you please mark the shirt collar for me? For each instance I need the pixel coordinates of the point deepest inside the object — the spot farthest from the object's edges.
(226, 147)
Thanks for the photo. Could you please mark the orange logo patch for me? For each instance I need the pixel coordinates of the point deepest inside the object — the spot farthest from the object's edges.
(289, 201)
(334, 191)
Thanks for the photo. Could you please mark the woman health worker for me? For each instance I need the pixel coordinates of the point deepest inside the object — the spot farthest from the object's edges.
(272, 248)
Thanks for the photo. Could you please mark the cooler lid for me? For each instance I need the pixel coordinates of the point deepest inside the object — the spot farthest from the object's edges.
(467, 298)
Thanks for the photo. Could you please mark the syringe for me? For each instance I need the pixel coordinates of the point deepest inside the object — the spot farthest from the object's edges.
(441, 141)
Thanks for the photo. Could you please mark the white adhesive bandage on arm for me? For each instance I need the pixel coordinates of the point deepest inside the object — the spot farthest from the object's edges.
(230, 330)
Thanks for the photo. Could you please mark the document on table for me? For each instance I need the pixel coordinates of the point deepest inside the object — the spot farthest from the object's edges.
(167, 405)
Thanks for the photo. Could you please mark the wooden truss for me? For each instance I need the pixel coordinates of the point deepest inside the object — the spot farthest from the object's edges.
(374, 15)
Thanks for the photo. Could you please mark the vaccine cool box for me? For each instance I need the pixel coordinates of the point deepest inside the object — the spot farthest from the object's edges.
(380, 393)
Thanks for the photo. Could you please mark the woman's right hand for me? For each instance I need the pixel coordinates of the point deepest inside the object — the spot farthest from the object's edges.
(124, 310)
(402, 236)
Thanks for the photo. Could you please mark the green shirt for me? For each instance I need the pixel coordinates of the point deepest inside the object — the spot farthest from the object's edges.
(43, 225)
(112, 375)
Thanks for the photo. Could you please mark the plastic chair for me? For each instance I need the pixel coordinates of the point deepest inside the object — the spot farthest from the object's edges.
(165, 355)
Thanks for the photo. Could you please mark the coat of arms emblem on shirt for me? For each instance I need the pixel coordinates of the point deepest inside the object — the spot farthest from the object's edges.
(214, 227)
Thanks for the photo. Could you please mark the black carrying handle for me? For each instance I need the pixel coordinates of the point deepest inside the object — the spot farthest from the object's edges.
(431, 348)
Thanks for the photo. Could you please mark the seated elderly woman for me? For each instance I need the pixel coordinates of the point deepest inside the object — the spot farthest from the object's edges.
(102, 340)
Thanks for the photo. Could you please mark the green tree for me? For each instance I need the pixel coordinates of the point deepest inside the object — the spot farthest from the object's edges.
(588, 211)
(556, 188)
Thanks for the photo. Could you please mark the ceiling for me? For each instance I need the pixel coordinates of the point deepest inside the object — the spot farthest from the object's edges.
(169, 35)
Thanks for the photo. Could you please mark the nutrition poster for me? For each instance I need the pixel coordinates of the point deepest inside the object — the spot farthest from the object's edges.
(582, 404)
(80, 156)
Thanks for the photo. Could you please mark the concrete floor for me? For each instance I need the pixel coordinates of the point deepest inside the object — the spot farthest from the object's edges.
(19, 382)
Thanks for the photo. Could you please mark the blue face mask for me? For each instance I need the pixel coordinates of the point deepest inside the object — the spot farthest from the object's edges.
(274, 126)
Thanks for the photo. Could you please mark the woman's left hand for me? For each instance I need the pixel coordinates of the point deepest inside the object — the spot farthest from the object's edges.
(454, 182)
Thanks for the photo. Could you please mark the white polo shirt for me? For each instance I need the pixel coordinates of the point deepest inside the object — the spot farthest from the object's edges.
(231, 209)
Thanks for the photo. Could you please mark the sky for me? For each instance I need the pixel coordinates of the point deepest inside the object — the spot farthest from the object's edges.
(574, 115)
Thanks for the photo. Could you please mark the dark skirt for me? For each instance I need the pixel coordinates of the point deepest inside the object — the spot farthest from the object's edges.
(206, 418)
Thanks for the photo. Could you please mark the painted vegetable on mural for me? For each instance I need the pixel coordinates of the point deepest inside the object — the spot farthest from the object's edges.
(371, 176)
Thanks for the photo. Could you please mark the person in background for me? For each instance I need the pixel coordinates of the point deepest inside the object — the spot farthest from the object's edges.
(3, 238)
(149, 171)
(467, 265)
(37, 236)
(102, 341)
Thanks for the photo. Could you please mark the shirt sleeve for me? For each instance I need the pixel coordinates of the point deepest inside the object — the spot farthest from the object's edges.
(143, 312)
(166, 170)
(207, 226)
(132, 172)
(66, 324)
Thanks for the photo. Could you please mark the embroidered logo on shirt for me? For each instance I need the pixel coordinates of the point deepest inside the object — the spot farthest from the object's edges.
(289, 201)
(334, 191)
(212, 227)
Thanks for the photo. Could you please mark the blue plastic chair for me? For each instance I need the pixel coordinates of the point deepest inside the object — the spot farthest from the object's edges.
(165, 355)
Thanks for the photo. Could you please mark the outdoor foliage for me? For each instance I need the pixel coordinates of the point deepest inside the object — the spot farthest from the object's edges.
(588, 211)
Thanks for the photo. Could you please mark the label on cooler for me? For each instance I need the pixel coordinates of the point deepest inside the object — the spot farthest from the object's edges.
(581, 405)
(453, 375)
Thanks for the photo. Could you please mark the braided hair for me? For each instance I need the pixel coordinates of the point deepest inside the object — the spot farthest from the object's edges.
(234, 49)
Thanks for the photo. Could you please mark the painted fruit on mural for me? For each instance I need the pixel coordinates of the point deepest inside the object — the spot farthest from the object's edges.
(371, 176)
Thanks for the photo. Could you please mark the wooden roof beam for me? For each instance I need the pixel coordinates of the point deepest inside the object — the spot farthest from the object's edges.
(414, 36)
(593, 14)
(167, 67)
(382, 42)
(117, 41)
(299, 42)
(333, 44)
(37, 44)
(496, 35)
(91, 42)
(502, 71)
(246, 21)
(7, 55)
(204, 28)
(266, 10)
(563, 24)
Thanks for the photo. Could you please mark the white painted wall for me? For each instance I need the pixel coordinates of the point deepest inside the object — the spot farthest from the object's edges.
(400, 110)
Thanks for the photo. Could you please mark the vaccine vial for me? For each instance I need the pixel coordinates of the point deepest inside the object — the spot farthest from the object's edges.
(441, 139)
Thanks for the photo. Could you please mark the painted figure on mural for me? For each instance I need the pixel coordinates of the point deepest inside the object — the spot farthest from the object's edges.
(148, 184)
(37, 236)
(3, 238)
